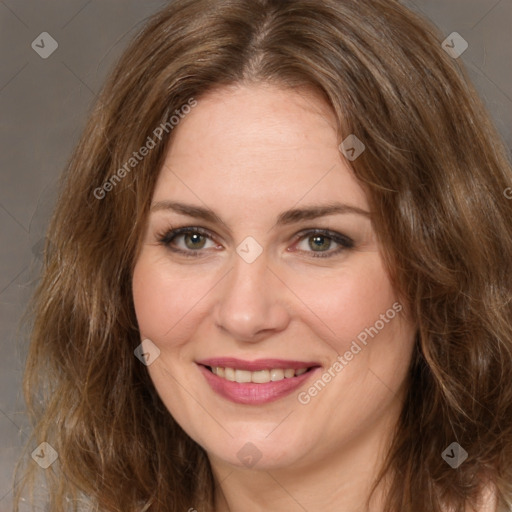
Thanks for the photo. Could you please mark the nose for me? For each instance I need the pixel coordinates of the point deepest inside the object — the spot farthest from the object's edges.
(251, 301)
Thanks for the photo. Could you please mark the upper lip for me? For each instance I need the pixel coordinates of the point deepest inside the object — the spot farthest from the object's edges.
(258, 364)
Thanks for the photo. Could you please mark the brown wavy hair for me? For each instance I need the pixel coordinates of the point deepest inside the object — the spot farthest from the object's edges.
(435, 172)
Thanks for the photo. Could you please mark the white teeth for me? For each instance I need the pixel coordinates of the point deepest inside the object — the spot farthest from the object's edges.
(229, 374)
(242, 376)
(258, 377)
(276, 375)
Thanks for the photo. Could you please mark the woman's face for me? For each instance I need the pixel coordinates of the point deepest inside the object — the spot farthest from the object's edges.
(279, 272)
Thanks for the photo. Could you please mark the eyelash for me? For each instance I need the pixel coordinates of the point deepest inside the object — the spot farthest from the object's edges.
(167, 237)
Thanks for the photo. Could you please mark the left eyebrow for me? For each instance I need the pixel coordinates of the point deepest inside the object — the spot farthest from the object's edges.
(313, 212)
(287, 217)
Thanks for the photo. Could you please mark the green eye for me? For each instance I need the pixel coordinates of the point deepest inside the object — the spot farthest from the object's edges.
(189, 241)
(318, 243)
(194, 240)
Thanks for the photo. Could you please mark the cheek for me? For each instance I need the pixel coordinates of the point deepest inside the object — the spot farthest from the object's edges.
(343, 303)
(336, 304)
(163, 300)
(151, 298)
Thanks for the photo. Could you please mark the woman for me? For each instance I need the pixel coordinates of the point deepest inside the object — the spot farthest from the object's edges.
(279, 274)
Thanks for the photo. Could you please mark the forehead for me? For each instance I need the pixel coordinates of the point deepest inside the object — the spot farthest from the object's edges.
(248, 145)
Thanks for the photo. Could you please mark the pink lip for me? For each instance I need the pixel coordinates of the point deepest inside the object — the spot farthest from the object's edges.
(258, 364)
(251, 393)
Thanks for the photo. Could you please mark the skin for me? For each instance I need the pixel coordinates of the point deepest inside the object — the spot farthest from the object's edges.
(249, 153)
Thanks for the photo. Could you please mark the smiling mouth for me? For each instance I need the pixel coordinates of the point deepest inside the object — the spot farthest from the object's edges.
(256, 382)
(257, 377)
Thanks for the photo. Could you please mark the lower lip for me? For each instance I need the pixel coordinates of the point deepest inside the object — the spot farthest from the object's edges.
(251, 393)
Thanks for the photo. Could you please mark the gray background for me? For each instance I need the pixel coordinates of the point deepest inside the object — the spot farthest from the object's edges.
(43, 106)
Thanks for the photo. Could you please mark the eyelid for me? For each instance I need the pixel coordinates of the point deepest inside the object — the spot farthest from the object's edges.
(340, 238)
(167, 236)
(343, 241)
